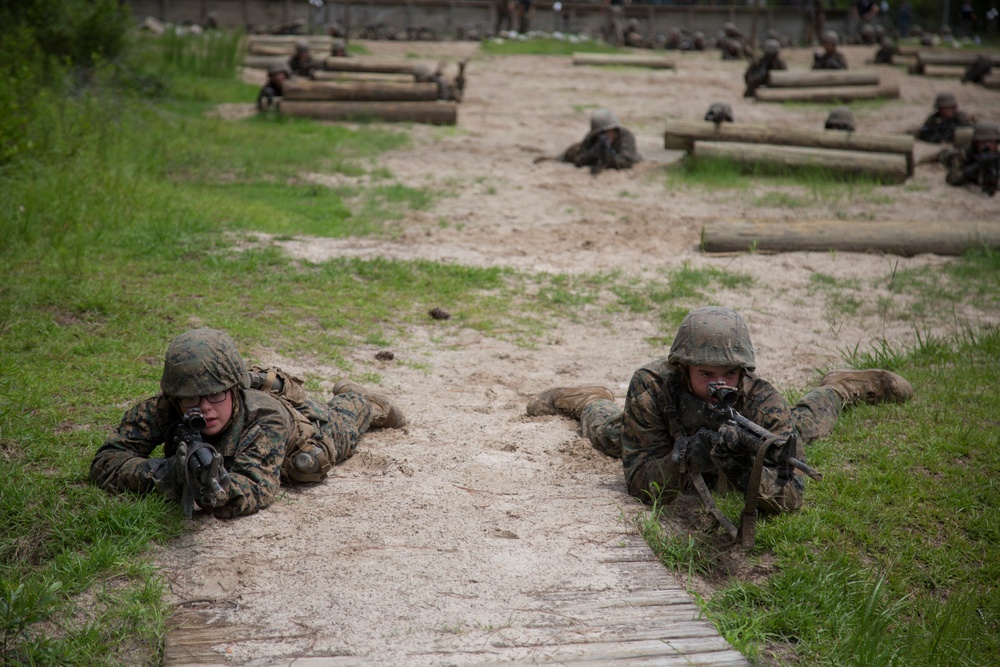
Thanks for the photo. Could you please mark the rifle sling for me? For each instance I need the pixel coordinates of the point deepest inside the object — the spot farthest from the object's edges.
(706, 499)
(748, 519)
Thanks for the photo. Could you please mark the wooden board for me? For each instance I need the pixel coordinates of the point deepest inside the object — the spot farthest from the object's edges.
(647, 619)
(340, 64)
(906, 238)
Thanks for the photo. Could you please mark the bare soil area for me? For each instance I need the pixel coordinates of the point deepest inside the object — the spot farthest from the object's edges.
(430, 546)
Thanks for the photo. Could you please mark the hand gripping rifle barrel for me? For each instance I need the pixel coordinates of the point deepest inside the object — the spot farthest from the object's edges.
(202, 464)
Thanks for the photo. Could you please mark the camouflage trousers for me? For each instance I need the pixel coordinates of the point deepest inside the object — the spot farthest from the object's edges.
(815, 417)
(330, 432)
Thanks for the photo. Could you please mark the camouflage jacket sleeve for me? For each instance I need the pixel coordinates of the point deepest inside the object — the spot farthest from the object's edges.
(761, 403)
(119, 465)
(647, 443)
(626, 153)
(253, 449)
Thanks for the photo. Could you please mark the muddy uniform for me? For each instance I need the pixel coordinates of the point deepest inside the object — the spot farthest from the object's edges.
(623, 154)
(659, 408)
(302, 64)
(936, 129)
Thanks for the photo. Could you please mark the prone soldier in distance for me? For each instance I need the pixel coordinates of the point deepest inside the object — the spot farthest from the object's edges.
(940, 125)
(301, 63)
(719, 113)
(886, 51)
(978, 69)
(830, 57)
(670, 436)
(446, 90)
(980, 163)
(608, 145)
(272, 88)
(231, 435)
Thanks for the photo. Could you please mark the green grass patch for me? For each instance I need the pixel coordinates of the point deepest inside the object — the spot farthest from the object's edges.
(546, 46)
(895, 558)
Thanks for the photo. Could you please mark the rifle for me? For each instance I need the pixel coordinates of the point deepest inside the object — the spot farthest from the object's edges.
(764, 445)
(989, 171)
(202, 464)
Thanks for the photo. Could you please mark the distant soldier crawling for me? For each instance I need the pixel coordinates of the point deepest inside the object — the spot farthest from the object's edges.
(258, 427)
(980, 163)
(756, 74)
(608, 145)
(734, 44)
(273, 87)
(940, 125)
(301, 63)
(665, 436)
(633, 37)
(829, 57)
(978, 69)
(840, 118)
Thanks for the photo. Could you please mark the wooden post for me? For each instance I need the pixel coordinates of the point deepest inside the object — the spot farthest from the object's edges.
(819, 78)
(434, 113)
(885, 166)
(906, 238)
(827, 94)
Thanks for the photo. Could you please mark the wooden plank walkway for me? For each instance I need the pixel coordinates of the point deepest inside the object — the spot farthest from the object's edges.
(650, 620)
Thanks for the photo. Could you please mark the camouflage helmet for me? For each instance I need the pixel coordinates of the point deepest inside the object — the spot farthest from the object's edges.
(712, 336)
(840, 118)
(201, 362)
(945, 100)
(301, 46)
(603, 119)
(986, 132)
(719, 112)
(277, 69)
(867, 29)
(633, 23)
(830, 37)
(771, 46)
(730, 29)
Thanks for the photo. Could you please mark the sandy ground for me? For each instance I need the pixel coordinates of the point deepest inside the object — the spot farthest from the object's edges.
(433, 541)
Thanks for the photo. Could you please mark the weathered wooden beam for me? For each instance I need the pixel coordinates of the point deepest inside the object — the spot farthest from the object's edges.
(681, 135)
(434, 113)
(820, 78)
(885, 166)
(943, 71)
(956, 59)
(623, 59)
(339, 64)
(992, 81)
(358, 91)
(828, 94)
(906, 238)
(289, 39)
(391, 77)
(264, 62)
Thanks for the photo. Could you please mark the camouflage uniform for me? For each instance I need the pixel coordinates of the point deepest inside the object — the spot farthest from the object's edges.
(968, 166)
(265, 432)
(623, 153)
(937, 129)
(301, 63)
(827, 59)
(659, 407)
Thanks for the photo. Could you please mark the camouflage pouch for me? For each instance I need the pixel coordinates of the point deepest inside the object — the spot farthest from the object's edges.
(308, 440)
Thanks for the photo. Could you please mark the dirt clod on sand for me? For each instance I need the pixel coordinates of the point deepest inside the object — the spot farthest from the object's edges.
(434, 542)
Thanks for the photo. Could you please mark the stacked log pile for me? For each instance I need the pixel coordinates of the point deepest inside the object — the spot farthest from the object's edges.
(936, 63)
(388, 101)
(623, 59)
(886, 157)
(824, 86)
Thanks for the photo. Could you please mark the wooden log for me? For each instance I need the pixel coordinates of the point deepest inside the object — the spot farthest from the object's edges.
(623, 59)
(991, 81)
(889, 167)
(955, 59)
(264, 62)
(338, 64)
(290, 40)
(906, 238)
(323, 75)
(434, 113)
(943, 71)
(681, 135)
(830, 94)
(359, 91)
(820, 78)
(264, 50)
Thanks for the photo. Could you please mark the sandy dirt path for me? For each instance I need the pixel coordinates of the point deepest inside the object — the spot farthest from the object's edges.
(435, 544)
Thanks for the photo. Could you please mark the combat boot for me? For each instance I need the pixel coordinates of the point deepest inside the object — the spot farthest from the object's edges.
(873, 386)
(569, 401)
(387, 414)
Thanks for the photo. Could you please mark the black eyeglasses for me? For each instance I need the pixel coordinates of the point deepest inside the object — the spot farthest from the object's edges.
(195, 401)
